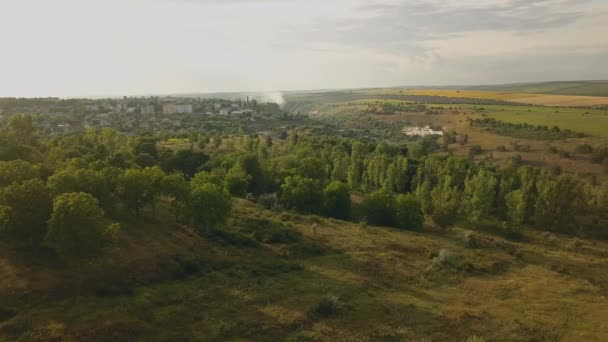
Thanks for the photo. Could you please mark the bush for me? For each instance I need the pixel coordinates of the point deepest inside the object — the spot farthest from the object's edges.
(409, 213)
(584, 148)
(328, 305)
(378, 208)
(470, 239)
(444, 259)
(269, 201)
(270, 231)
(475, 150)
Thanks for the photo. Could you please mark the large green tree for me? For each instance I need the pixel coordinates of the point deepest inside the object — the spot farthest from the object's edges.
(26, 207)
(336, 200)
(210, 206)
(76, 227)
(302, 194)
(379, 208)
(408, 212)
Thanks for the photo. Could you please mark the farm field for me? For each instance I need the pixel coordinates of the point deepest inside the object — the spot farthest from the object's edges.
(519, 97)
(589, 121)
(579, 88)
(389, 285)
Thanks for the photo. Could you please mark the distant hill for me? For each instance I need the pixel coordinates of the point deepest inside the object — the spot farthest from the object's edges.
(579, 88)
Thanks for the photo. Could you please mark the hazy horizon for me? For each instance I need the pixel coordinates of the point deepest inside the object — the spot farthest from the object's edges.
(69, 48)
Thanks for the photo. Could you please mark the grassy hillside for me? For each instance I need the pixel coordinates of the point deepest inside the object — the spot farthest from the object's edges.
(344, 282)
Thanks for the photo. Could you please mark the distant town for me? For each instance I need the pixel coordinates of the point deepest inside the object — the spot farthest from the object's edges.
(133, 114)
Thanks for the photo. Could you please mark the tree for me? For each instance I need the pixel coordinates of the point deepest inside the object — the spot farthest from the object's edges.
(145, 160)
(301, 194)
(336, 200)
(210, 206)
(76, 227)
(250, 163)
(176, 190)
(205, 177)
(356, 167)
(17, 171)
(408, 212)
(379, 208)
(445, 202)
(82, 180)
(312, 167)
(559, 201)
(26, 207)
(516, 208)
(153, 177)
(237, 181)
(186, 161)
(479, 194)
(132, 188)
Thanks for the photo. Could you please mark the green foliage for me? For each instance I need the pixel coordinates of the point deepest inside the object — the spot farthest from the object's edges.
(479, 194)
(132, 189)
(336, 200)
(268, 231)
(186, 161)
(237, 181)
(516, 204)
(302, 194)
(24, 210)
(176, 190)
(328, 305)
(559, 201)
(378, 208)
(17, 171)
(250, 163)
(210, 206)
(100, 184)
(145, 160)
(445, 200)
(205, 177)
(408, 212)
(76, 227)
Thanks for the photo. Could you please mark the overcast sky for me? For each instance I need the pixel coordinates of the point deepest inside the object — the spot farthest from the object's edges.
(127, 47)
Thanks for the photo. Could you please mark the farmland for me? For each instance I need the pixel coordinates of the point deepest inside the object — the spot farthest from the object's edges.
(589, 126)
(518, 97)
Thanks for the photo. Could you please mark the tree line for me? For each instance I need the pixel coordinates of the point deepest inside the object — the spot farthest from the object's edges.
(66, 192)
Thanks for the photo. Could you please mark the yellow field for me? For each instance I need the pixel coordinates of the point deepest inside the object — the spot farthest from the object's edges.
(472, 94)
(528, 98)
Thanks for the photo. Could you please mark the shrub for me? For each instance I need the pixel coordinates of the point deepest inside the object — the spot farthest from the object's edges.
(409, 213)
(444, 259)
(470, 239)
(584, 148)
(378, 208)
(276, 233)
(475, 150)
(269, 201)
(328, 305)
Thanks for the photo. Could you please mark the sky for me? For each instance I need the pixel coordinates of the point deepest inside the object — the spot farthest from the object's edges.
(73, 48)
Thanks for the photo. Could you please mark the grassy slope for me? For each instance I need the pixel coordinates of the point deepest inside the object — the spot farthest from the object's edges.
(387, 286)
